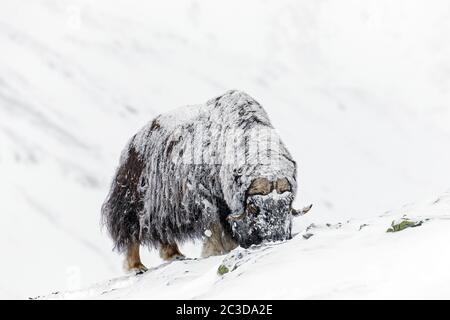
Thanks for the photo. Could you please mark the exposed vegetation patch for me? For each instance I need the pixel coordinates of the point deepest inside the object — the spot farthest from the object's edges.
(403, 224)
(222, 270)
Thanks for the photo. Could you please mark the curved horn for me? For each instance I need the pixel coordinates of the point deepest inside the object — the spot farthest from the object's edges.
(305, 210)
(260, 186)
(283, 185)
(237, 217)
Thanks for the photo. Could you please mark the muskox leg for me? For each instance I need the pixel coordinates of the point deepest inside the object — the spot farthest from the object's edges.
(219, 242)
(133, 259)
(170, 252)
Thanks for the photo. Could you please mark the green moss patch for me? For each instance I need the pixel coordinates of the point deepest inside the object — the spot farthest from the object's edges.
(222, 270)
(403, 224)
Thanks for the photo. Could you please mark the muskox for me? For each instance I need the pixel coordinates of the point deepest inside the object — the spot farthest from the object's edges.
(216, 171)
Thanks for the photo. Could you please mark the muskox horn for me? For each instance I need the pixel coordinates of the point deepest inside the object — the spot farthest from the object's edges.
(260, 186)
(305, 210)
(282, 185)
(237, 217)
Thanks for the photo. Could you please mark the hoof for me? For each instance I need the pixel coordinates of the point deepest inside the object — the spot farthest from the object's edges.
(170, 252)
(138, 269)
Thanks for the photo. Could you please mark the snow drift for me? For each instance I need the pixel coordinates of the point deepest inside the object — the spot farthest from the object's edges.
(354, 259)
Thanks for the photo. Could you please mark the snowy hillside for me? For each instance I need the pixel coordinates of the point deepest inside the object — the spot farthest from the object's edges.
(359, 91)
(355, 259)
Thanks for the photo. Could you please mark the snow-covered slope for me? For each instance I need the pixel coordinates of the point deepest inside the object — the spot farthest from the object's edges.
(355, 259)
(358, 90)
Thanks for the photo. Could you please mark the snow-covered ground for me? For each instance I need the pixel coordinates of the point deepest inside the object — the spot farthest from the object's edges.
(358, 90)
(355, 259)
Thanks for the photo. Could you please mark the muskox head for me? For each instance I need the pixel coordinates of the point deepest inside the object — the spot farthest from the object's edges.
(267, 215)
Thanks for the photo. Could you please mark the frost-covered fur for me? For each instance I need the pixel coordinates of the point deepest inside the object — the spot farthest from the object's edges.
(187, 170)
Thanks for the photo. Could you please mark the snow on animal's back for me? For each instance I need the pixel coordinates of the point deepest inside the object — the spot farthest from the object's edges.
(171, 122)
(232, 126)
(227, 108)
(228, 115)
(238, 108)
(182, 115)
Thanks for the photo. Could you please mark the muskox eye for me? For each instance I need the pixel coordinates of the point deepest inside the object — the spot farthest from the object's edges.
(252, 209)
(283, 185)
(260, 186)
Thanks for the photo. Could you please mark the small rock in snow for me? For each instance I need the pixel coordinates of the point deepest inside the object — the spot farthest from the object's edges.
(307, 235)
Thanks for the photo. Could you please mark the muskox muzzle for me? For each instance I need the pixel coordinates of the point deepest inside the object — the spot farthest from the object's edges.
(266, 218)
